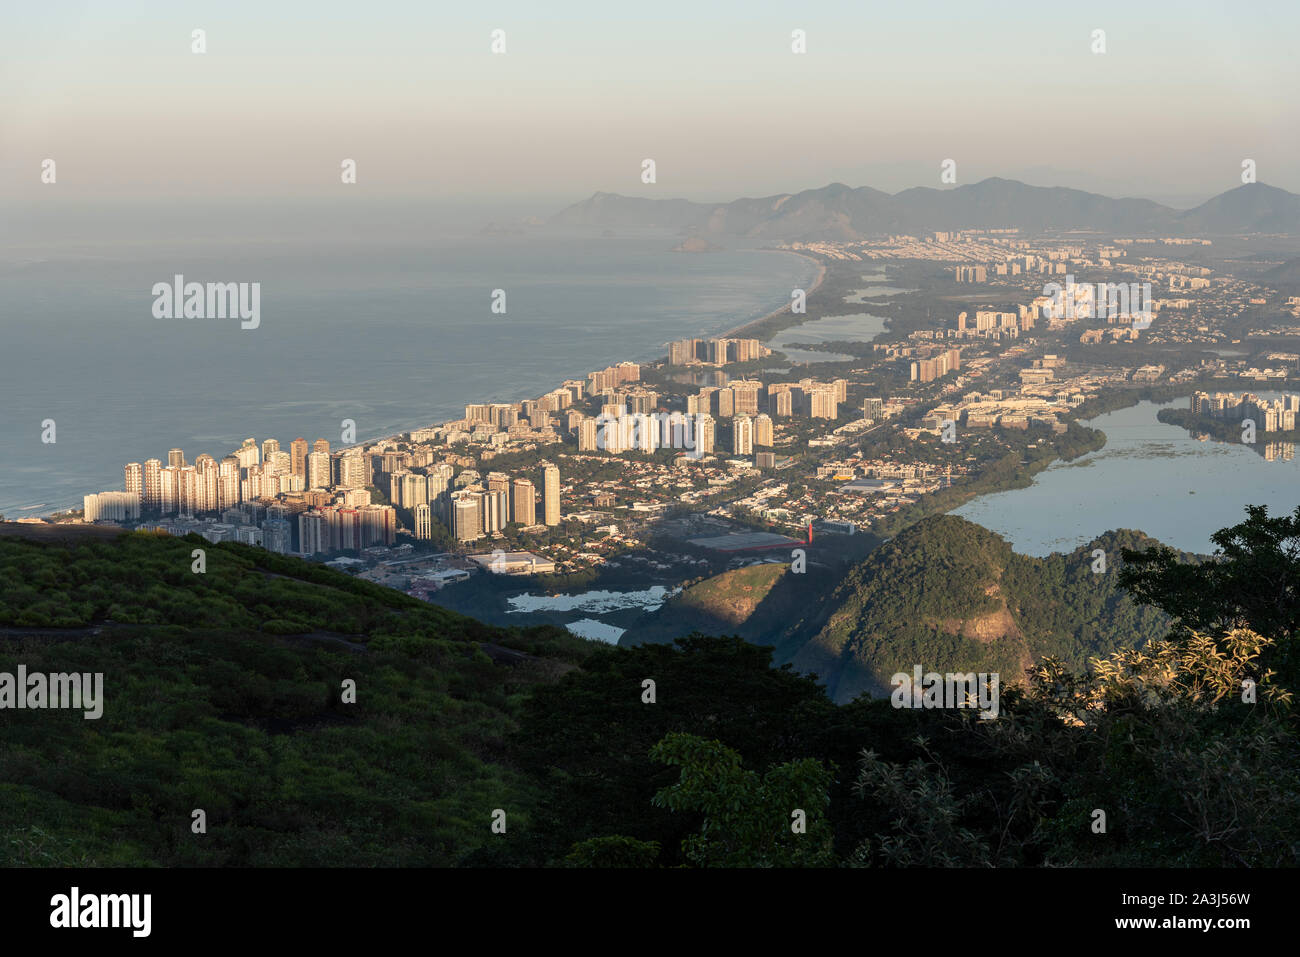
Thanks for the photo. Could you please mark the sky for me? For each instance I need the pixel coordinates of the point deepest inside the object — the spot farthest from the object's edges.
(584, 92)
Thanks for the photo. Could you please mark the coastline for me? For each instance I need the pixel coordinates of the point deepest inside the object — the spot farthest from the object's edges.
(735, 332)
(739, 331)
(52, 510)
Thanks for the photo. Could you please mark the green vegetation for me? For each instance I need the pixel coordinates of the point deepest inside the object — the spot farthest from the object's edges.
(1150, 760)
(748, 819)
(945, 593)
(1184, 772)
(998, 459)
(146, 579)
(1158, 734)
(952, 596)
(1112, 400)
(586, 740)
(222, 691)
(1253, 582)
(729, 603)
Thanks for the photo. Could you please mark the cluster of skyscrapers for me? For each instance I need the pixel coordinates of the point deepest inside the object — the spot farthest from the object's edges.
(717, 352)
(311, 500)
(254, 496)
(1051, 263)
(632, 417)
(250, 473)
(818, 400)
(927, 370)
(536, 420)
(479, 506)
(990, 323)
(617, 430)
(1275, 415)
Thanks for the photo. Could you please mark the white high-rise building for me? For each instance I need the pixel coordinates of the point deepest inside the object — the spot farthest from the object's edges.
(111, 507)
(551, 495)
(414, 490)
(318, 470)
(152, 485)
(135, 480)
(277, 462)
(705, 435)
(352, 469)
(524, 506)
(466, 517)
(170, 492)
(248, 454)
(228, 482)
(205, 499)
(645, 432)
(423, 521)
(495, 510)
(742, 435)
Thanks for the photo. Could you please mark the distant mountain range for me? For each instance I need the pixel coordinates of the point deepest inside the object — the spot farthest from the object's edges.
(842, 212)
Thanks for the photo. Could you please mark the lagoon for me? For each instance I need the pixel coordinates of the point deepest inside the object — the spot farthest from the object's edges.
(860, 327)
(1149, 476)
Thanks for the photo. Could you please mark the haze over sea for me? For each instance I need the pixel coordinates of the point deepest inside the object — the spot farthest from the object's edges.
(382, 318)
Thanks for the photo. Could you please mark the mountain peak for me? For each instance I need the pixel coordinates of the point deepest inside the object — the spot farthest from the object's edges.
(839, 211)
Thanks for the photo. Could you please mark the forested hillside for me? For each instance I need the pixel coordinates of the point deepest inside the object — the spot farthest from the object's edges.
(950, 595)
(226, 691)
(945, 593)
(223, 691)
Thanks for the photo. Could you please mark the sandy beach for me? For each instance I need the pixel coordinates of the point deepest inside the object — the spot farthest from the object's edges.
(739, 332)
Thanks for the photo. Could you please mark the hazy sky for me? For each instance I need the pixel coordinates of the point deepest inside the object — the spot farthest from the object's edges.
(710, 90)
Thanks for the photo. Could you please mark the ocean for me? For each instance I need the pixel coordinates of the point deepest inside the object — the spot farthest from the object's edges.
(390, 328)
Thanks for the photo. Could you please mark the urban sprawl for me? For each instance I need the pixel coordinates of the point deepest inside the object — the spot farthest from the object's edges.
(731, 447)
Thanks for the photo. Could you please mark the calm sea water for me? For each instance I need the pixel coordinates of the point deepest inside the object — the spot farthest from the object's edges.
(1150, 476)
(392, 333)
